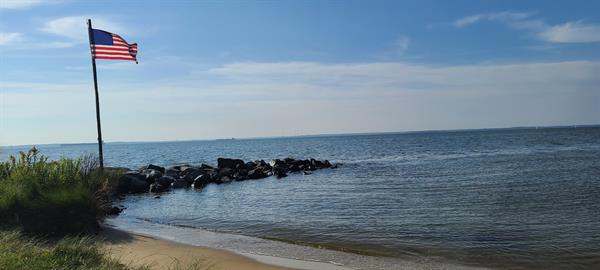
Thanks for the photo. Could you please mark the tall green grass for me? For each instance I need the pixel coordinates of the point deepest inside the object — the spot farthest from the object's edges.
(51, 197)
(18, 251)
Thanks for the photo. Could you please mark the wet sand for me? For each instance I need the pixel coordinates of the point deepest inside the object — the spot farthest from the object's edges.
(273, 253)
(140, 250)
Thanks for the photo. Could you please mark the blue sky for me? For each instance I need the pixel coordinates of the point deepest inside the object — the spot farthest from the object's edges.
(246, 69)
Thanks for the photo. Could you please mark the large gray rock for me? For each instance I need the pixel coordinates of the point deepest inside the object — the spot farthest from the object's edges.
(172, 173)
(276, 162)
(180, 183)
(165, 180)
(225, 172)
(206, 167)
(156, 188)
(228, 163)
(190, 174)
(202, 180)
(258, 173)
(151, 175)
(241, 174)
(224, 179)
(279, 168)
(132, 182)
(155, 167)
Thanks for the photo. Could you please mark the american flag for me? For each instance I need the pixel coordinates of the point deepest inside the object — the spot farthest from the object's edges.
(105, 45)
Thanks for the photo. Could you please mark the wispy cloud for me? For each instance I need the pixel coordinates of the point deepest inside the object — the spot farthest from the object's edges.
(20, 4)
(569, 32)
(65, 32)
(398, 78)
(10, 38)
(74, 28)
(572, 32)
(505, 16)
(344, 97)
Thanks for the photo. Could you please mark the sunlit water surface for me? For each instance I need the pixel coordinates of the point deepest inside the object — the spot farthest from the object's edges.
(515, 198)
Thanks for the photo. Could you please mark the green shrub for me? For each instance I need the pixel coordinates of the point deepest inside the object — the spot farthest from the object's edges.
(51, 197)
(21, 252)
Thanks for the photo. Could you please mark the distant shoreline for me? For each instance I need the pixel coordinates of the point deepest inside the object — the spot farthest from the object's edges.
(314, 135)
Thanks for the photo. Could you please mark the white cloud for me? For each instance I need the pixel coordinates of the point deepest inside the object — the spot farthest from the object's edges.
(505, 16)
(69, 31)
(10, 38)
(75, 29)
(569, 32)
(292, 98)
(400, 76)
(19, 4)
(462, 22)
(572, 32)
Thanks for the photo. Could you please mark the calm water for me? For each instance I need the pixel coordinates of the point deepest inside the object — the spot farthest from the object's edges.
(515, 198)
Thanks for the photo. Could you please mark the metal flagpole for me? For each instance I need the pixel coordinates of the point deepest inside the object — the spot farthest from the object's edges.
(97, 99)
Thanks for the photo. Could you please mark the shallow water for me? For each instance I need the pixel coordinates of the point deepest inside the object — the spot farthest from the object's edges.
(512, 198)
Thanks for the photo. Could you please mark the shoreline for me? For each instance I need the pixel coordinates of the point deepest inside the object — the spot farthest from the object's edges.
(277, 253)
(138, 249)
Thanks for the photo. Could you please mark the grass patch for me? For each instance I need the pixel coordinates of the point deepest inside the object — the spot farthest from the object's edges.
(18, 251)
(47, 208)
(51, 197)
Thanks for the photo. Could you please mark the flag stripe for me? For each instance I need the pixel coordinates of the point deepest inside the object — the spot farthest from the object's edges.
(111, 46)
(97, 48)
(114, 49)
(116, 58)
(112, 53)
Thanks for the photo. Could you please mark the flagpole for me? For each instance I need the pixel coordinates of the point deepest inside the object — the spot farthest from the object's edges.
(101, 157)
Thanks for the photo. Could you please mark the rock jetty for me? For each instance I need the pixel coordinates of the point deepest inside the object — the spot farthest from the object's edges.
(156, 179)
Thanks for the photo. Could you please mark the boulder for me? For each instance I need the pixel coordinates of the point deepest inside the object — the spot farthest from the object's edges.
(240, 175)
(202, 180)
(180, 183)
(156, 188)
(279, 171)
(155, 167)
(250, 165)
(225, 179)
(180, 167)
(165, 180)
(294, 168)
(191, 174)
(185, 170)
(225, 172)
(258, 173)
(279, 168)
(172, 173)
(206, 167)
(132, 182)
(276, 162)
(151, 175)
(227, 163)
(261, 163)
(316, 163)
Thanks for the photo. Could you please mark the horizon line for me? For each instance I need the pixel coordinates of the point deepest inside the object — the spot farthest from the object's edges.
(322, 135)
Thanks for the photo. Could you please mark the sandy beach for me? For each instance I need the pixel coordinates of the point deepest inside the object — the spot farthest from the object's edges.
(141, 250)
